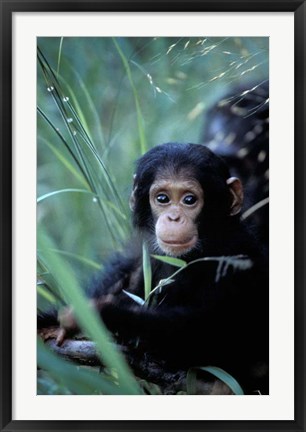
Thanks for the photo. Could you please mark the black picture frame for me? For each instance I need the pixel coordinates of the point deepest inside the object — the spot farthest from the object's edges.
(7, 9)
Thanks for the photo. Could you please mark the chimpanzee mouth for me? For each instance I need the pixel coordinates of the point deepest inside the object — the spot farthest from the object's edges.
(181, 245)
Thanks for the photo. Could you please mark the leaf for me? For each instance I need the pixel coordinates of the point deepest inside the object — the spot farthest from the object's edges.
(87, 318)
(69, 190)
(45, 294)
(140, 121)
(59, 55)
(164, 282)
(65, 161)
(147, 271)
(80, 258)
(134, 297)
(219, 373)
(75, 379)
(170, 260)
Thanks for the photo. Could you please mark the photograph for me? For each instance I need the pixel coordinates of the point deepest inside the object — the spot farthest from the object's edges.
(152, 215)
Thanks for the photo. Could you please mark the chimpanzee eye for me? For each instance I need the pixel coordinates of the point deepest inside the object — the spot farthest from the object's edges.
(162, 198)
(190, 199)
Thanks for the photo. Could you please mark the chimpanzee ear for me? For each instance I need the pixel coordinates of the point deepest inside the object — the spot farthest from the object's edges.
(132, 197)
(236, 190)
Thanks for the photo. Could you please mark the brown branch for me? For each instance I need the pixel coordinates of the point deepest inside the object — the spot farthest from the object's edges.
(83, 351)
(80, 351)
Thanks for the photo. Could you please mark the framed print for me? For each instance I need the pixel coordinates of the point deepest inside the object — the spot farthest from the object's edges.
(152, 197)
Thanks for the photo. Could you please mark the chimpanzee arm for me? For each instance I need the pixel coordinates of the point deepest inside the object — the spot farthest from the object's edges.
(116, 275)
(233, 301)
(154, 323)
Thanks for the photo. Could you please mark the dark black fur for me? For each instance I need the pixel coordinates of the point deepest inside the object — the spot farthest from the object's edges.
(239, 122)
(197, 320)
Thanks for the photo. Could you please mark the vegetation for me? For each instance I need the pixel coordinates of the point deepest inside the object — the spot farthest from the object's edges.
(102, 102)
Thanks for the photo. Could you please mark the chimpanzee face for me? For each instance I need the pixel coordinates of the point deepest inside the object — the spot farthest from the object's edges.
(178, 191)
(176, 203)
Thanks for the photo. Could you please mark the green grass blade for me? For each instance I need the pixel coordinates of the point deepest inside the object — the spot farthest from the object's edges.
(176, 262)
(86, 156)
(93, 264)
(77, 380)
(219, 373)
(66, 162)
(67, 111)
(87, 317)
(48, 279)
(60, 191)
(45, 117)
(90, 104)
(147, 271)
(46, 294)
(85, 168)
(134, 297)
(59, 55)
(140, 122)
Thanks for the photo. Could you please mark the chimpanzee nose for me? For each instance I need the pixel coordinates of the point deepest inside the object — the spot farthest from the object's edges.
(174, 217)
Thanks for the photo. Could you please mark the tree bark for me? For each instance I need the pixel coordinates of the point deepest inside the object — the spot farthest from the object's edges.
(83, 351)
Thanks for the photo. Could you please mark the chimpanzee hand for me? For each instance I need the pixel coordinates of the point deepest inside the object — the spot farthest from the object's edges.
(67, 320)
(68, 324)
